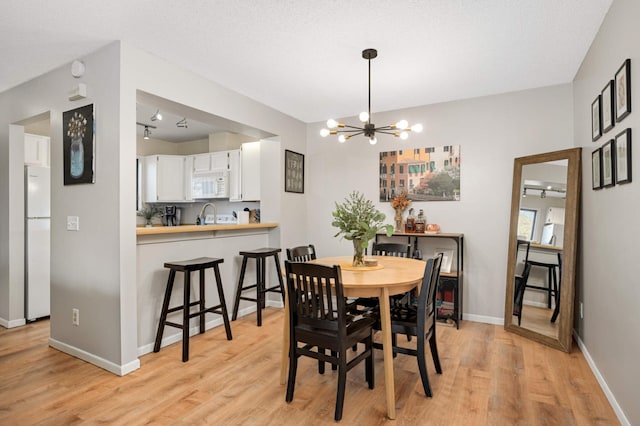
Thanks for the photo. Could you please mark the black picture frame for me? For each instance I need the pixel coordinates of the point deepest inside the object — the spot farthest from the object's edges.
(607, 107)
(596, 169)
(623, 91)
(293, 172)
(78, 144)
(596, 119)
(608, 164)
(623, 156)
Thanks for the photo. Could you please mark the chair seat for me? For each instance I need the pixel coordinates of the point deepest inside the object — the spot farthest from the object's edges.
(356, 331)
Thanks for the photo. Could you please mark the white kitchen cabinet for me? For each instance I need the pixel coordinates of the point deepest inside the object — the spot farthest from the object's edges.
(235, 175)
(555, 215)
(36, 150)
(251, 171)
(201, 163)
(167, 178)
(219, 160)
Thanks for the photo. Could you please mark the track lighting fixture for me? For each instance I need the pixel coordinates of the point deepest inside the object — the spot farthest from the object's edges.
(543, 194)
(156, 116)
(147, 132)
(182, 123)
(524, 193)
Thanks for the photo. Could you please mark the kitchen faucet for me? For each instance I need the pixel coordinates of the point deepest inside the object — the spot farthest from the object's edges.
(202, 216)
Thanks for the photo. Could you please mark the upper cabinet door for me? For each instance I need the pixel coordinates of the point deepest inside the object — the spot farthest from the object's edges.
(165, 178)
(36, 150)
(235, 175)
(251, 171)
(219, 160)
(201, 163)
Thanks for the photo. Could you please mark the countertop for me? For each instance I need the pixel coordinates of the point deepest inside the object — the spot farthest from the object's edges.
(158, 230)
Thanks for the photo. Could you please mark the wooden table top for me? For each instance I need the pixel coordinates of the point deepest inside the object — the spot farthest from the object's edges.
(395, 272)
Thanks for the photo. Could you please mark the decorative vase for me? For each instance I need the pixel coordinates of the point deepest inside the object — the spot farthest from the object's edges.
(358, 252)
(398, 219)
(148, 223)
(76, 155)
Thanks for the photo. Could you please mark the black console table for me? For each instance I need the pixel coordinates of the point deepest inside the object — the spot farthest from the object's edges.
(449, 281)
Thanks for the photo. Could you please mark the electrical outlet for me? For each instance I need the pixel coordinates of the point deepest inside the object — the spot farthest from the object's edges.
(581, 310)
(73, 223)
(75, 318)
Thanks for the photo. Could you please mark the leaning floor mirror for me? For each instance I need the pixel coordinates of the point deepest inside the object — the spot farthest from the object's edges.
(542, 247)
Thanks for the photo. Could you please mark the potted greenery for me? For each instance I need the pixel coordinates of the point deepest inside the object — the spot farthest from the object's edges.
(149, 212)
(358, 220)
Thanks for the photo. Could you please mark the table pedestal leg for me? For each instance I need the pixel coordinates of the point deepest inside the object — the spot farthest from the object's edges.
(387, 349)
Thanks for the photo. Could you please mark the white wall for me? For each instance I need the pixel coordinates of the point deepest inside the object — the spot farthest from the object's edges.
(608, 279)
(491, 131)
(94, 270)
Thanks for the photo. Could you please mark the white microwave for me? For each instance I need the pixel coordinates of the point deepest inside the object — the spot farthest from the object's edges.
(213, 184)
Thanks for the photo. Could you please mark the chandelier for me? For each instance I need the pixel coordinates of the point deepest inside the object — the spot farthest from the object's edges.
(400, 129)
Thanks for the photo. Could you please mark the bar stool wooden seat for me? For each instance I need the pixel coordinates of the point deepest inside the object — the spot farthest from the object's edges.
(260, 255)
(188, 266)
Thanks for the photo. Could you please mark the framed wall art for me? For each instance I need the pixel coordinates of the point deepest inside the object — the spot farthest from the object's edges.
(426, 174)
(596, 119)
(608, 165)
(608, 120)
(623, 91)
(78, 143)
(596, 169)
(623, 156)
(293, 172)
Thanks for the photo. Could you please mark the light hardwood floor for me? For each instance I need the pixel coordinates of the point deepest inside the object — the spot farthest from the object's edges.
(490, 377)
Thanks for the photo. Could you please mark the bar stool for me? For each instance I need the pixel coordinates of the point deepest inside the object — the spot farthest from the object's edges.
(551, 277)
(188, 266)
(260, 255)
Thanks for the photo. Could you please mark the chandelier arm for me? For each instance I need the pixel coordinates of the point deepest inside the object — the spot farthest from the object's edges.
(385, 132)
(350, 127)
(356, 131)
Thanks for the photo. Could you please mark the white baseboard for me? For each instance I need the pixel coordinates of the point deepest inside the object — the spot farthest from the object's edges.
(217, 322)
(119, 370)
(483, 318)
(603, 384)
(12, 323)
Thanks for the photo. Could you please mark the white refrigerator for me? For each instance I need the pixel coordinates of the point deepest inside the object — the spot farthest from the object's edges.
(37, 241)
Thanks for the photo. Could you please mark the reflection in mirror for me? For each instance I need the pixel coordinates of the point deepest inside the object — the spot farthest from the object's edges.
(542, 244)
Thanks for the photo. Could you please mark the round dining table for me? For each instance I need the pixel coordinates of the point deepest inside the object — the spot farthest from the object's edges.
(391, 275)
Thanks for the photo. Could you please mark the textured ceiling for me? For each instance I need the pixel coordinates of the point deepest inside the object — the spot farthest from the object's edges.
(304, 57)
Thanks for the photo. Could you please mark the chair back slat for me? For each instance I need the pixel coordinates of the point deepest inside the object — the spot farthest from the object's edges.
(391, 249)
(315, 295)
(301, 253)
(427, 297)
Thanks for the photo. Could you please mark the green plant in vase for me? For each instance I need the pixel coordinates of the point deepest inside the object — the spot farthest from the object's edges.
(358, 220)
(148, 212)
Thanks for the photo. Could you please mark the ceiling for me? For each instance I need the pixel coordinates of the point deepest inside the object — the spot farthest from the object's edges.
(304, 57)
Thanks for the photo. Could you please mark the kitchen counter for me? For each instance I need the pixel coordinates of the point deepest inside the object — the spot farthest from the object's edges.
(159, 230)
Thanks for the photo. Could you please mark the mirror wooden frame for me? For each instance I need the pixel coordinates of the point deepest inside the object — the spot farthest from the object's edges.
(567, 291)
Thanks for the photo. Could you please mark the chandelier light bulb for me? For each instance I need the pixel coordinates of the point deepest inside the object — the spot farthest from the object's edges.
(364, 116)
(341, 139)
(416, 128)
(402, 124)
(404, 136)
(325, 132)
(373, 140)
(331, 123)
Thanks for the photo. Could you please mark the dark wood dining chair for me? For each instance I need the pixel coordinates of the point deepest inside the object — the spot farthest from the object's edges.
(301, 253)
(520, 284)
(318, 320)
(367, 304)
(556, 310)
(419, 319)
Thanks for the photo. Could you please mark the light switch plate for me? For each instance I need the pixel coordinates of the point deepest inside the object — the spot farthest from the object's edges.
(73, 223)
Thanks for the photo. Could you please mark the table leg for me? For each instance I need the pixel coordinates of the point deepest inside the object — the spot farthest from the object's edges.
(387, 350)
(284, 366)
